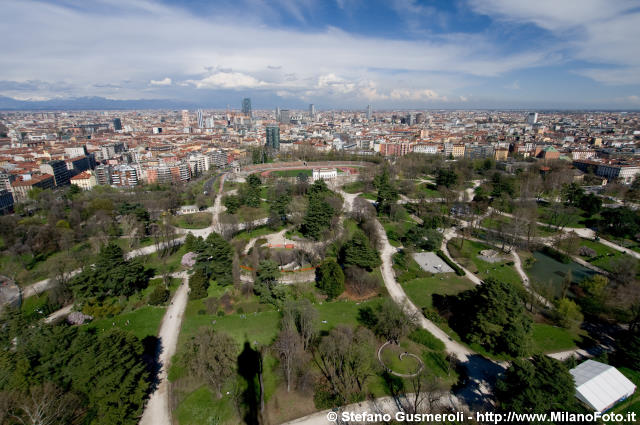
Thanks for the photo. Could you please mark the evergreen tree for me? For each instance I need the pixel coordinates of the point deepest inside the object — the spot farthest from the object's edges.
(359, 252)
(330, 279)
(494, 316)
(198, 285)
(387, 192)
(539, 385)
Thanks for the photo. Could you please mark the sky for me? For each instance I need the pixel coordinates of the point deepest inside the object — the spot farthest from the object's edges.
(343, 54)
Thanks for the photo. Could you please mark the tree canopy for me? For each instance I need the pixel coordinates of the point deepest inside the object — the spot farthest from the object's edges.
(493, 315)
(330, 279)
(359, 252)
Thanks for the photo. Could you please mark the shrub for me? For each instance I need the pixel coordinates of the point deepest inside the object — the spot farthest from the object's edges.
(556, 255)
(159, 295)
(450, 263)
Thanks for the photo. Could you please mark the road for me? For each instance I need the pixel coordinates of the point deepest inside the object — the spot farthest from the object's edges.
(156, 411)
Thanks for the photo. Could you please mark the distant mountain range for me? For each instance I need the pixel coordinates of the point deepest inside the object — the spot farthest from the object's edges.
(88, 103)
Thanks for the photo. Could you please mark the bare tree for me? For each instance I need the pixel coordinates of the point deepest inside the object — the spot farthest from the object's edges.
(288, 348)
(45, 405)
(426, 391)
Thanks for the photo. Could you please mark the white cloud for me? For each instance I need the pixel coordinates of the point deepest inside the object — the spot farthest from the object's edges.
(416, 95)
(164, 82)
(227, 80)
(598, 31)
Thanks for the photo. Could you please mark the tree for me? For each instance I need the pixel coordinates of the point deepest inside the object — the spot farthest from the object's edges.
(198, 285)
(494, 316)
(345, 359)
(111, 275)
(212, 356)
(446, 177)
(387, 192)
(288, 348)
(623, 269)
(388, 320)
(359, 252)
(330, 279)
(45, 404)
(568, 314)
(304, 317)
(159, 295)
(319, 211)
(539, 385)
(232, 203)
(216, 259)
(266, 283)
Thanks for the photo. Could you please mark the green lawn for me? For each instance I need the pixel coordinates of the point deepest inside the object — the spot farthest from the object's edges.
(257, 232)
(353, 187)
(369, 195)
(500, 221)
(246, 213)
(428, 191)
(198, 220)
(420, 290)
(201, 407)
(468, 257)
(143, 322)
(551, 339)
(576, 220)
(292, 173)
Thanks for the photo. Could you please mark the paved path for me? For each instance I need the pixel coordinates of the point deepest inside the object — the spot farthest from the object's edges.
(156, 411)
(449, 234)
(64, 311)
(390, 405)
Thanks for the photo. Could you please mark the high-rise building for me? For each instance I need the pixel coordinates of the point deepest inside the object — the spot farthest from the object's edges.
(277, 113)
(200, 119)
(285, 116)
(532, 118)
(273, 137)
(246, 106)
(117, 124)
(185, 118)
(369, 112)
(59, 171)
(312, 110)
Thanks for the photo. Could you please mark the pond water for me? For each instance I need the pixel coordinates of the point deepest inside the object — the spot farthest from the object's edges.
(546, 270)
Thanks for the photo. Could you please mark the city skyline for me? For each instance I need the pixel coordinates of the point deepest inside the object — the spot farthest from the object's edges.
(342, 54)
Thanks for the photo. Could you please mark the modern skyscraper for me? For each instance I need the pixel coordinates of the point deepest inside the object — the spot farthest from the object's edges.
(58, 169)
(369, 112)
(200, 119)
(185, 118)
(532, 118)
(277, 113)
(117, 124)
(312, 110)
(273, 137)
(246, 107)
(285, 116)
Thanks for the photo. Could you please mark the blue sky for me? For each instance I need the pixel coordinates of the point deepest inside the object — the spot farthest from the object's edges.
(333, 53)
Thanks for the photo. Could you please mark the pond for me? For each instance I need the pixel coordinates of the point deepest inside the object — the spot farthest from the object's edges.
(546, 270)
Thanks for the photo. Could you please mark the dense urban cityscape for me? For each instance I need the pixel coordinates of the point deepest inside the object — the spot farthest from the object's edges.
(319, 212)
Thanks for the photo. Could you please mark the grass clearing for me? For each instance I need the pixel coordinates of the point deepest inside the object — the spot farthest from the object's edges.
(467, 256)
(551, 339)
(291, 173)
(143, 322)
(198, 220)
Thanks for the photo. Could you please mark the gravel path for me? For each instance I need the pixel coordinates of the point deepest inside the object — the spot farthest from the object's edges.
(156, 411)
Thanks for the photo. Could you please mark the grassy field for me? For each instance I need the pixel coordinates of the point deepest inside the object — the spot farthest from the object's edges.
(198, 220)
(420, 290)
(201, 407)
(576, 220)
(468, 257)
(354, 187)
(428, 190)
(604, 254)
(143, 322)
(498, 222)
(291, 173)
(372, 196)
(551, 339)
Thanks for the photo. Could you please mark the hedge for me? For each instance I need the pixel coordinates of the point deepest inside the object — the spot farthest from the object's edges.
(556, 255)
(451, 264)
